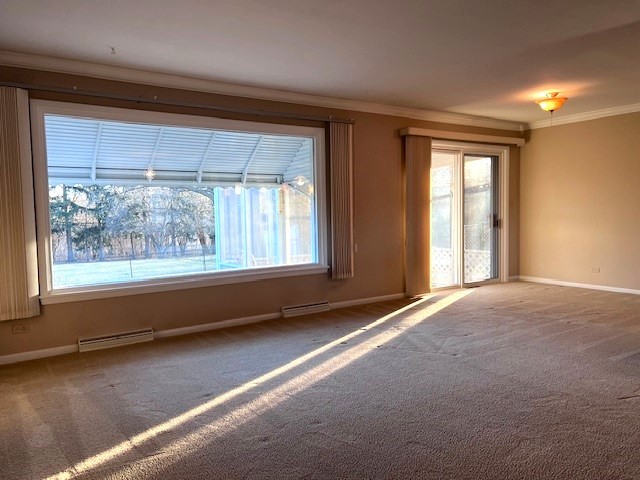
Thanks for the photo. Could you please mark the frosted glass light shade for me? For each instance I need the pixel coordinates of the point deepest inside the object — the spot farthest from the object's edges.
(552, 102)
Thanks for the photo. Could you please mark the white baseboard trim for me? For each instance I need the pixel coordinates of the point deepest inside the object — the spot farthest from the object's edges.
(562, 283)
(364, 301)
(234, 322)
(513, 278)
(205, 327)
(173, 332)
(36, 354)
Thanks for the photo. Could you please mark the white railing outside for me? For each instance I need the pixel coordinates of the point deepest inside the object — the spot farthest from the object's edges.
(477, 266)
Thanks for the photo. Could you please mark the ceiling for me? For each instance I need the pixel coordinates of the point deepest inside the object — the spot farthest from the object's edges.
(488, 59)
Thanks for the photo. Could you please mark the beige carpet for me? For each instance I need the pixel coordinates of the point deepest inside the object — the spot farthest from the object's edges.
(509, 381)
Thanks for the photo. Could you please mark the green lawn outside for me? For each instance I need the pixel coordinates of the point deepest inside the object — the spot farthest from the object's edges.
(118, 271)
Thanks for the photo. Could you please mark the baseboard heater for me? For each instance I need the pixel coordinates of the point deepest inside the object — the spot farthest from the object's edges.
(115, 340)
(296, 310)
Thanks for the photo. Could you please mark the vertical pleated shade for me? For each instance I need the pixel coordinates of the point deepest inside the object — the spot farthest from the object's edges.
(341, 165)
(18, 261)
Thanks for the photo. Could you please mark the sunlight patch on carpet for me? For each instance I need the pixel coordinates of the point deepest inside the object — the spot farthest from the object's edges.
(272, 398)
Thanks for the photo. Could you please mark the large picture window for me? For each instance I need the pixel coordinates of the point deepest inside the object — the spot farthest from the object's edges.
(131, 198)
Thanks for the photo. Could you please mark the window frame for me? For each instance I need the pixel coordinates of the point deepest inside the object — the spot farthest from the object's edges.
(49, 295)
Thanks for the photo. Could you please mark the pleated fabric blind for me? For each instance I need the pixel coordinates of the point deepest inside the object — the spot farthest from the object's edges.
(418, 234)
(18, 254)
(341, 165)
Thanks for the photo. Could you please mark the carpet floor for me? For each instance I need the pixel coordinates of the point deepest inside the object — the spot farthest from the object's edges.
(513, 381)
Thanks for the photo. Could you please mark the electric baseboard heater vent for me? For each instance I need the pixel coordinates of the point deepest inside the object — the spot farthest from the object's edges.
(297, 310)
(115, 340)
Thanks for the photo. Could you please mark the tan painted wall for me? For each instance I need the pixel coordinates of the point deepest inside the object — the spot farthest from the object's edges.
(580, 202)
(379, 227)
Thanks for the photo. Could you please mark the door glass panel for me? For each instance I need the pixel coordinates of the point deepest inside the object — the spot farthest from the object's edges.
(480, 218)
(444, 257)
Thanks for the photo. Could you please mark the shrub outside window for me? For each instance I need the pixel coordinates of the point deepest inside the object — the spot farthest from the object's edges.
(134, 198)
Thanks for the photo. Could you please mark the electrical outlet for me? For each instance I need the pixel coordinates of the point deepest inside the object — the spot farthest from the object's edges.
(21, 328)
(595, 269)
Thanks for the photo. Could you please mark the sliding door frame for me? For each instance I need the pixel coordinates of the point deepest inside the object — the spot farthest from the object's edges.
(502, 152)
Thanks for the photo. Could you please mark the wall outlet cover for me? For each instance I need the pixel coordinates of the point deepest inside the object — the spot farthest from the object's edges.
(21, 328)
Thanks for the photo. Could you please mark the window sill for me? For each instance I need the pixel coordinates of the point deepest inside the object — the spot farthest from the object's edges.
(177, 283)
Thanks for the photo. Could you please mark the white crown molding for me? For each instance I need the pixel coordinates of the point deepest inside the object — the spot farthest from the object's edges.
(109, 72)
(583, 117)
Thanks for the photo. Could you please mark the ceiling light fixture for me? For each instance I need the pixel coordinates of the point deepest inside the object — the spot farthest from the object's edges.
(551, 102)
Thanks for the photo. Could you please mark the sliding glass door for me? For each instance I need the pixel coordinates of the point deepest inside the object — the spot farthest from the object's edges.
(464, 218)
(481, 219)
(445, 260)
